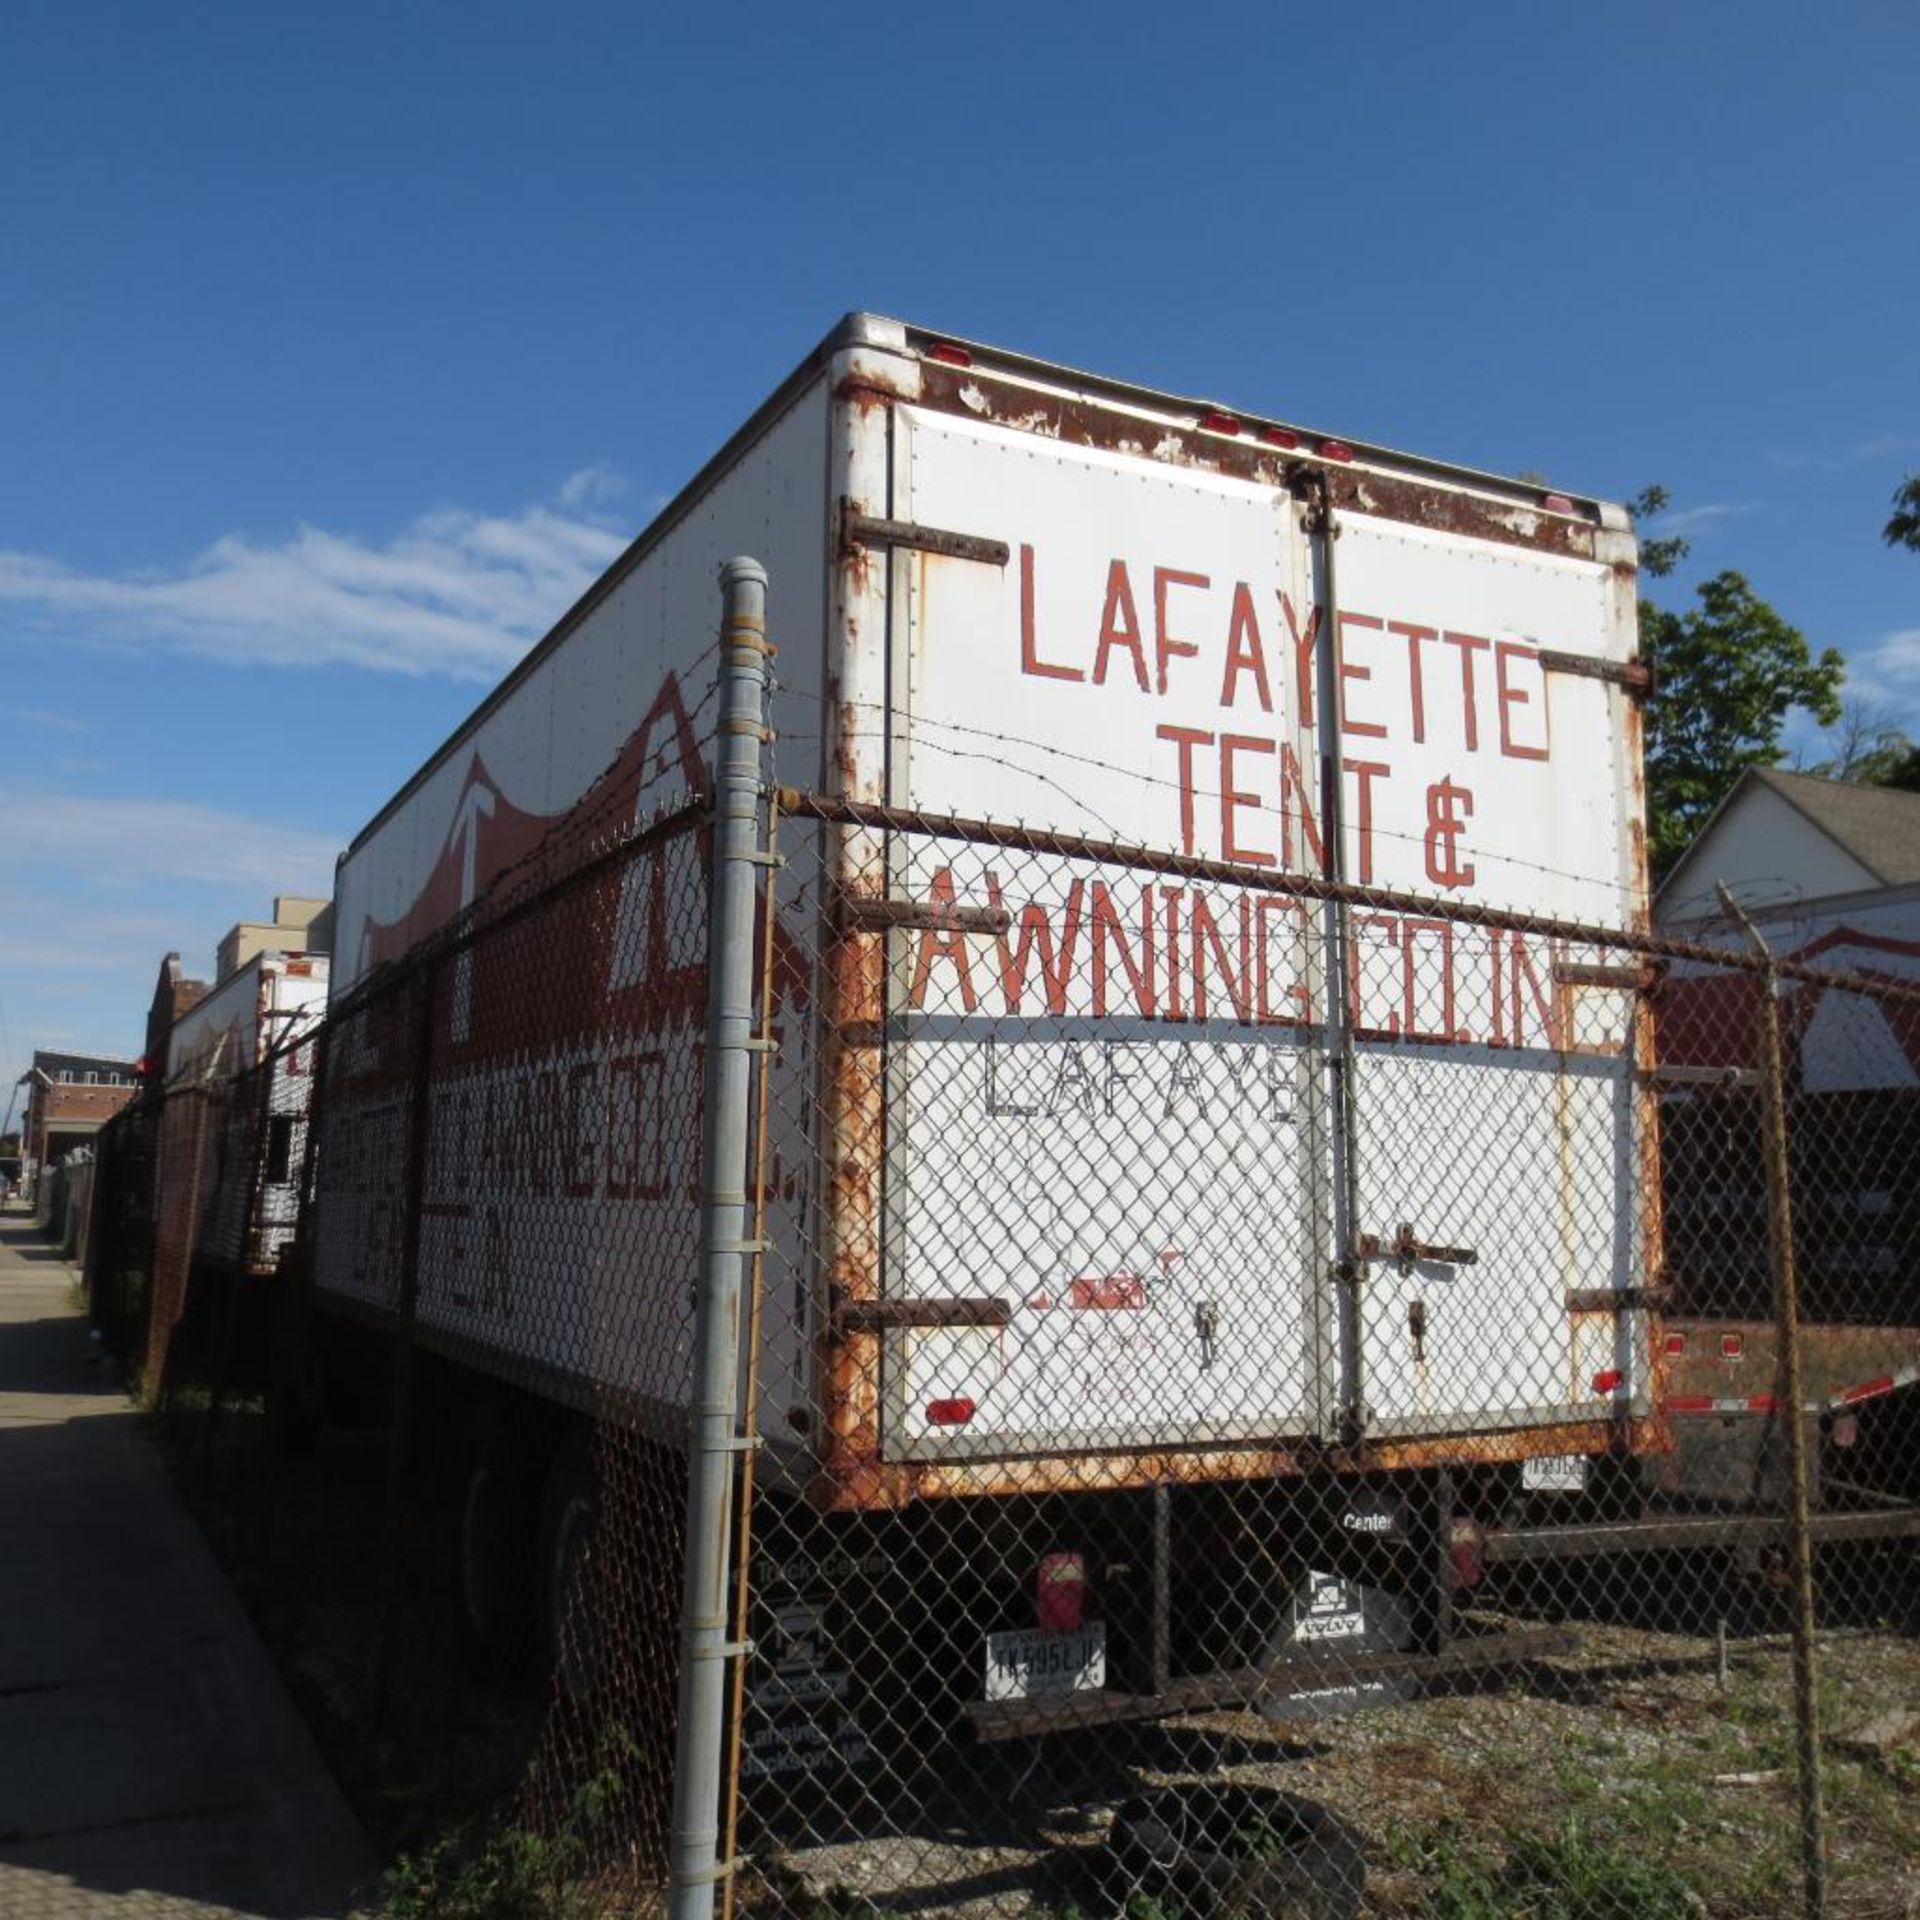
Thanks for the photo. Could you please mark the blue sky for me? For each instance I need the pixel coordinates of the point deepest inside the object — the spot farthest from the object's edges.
(339, 346)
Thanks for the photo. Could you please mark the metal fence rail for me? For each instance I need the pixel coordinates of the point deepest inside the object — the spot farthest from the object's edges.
(846, 1359)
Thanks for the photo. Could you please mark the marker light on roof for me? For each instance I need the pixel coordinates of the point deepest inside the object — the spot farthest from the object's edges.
(1217, 422)
(1556, 503)
(1279, 436)
(952, 355)
(1335, 450)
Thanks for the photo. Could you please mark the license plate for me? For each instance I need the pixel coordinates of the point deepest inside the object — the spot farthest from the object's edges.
(1035, 1665)
(1555, 1473)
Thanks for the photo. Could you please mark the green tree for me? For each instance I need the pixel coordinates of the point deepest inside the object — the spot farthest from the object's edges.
(1727, 673)
(1903, 530)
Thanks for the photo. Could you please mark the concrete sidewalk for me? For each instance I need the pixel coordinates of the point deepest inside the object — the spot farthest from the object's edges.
(151, 1762)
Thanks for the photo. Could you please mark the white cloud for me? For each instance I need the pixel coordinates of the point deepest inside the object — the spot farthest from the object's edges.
(1880, 446)
(1689, 521)
(457, 593)
(1892, 659)
(138, 842)
(46, 721)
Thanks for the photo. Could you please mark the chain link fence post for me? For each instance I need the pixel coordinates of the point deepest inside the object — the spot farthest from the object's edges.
(1806, 1711)
(712, 1439)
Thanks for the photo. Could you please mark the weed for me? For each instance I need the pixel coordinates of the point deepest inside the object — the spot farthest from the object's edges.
(482, 1872)
(508, 1874)
(1563, 1875)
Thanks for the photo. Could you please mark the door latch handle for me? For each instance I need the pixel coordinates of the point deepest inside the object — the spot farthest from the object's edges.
(1206, 1327)
(1405, 1248)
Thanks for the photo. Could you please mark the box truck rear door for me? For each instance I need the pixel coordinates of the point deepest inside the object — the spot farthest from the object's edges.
(1498, 1122)
(1104, 1113)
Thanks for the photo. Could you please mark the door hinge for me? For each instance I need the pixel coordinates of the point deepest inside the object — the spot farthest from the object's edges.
(1637, 676)
(878, 1316)
(871, 530)
(864, 914)
(1641, 979)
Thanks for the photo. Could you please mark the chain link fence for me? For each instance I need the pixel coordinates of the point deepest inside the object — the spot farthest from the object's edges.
(1217, 1393)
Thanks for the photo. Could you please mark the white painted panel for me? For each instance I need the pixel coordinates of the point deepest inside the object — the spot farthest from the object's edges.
(561, 1185)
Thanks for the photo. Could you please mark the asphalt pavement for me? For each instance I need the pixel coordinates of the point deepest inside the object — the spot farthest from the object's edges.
(151, 1762)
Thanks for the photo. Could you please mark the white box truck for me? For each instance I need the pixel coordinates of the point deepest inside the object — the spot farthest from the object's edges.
(237, 1049)
(1093, 1190)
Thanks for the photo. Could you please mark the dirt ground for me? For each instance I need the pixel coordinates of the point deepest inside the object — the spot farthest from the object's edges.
(1635, 1737)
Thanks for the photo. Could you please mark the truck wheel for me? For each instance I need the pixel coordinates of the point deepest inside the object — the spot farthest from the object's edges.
(570, 1592)
(1230, 1852)
(499, 1500)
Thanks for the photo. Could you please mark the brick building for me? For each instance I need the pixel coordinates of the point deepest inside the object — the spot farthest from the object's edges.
(70, 1096)
(173, 995)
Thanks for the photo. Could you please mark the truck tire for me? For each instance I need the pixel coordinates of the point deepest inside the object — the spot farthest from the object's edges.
(498, 1509)
(571, 1596)
(1229, 1852)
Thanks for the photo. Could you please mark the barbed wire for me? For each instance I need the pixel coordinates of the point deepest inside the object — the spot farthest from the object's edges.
(1195, 791)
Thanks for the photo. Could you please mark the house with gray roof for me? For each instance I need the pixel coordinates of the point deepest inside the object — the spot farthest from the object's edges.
(1782, 842)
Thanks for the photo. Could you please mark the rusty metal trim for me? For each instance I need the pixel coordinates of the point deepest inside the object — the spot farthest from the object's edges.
(880, 1316)
(1677, 1532)
(1637, 676)
(871, 530)
(866, 915)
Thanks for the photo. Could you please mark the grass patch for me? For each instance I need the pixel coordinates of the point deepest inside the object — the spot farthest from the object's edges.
(488, 1871)
(1567, 1874)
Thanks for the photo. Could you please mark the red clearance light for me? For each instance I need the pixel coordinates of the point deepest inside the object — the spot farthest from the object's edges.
(953, 356)
(1732, 1346)
(1556, 503)
(300, 969)
(1279, 436)
(950, 1413)
(1676, 1345)
(1335, 450)
(1608, 1381)
(1217, 422)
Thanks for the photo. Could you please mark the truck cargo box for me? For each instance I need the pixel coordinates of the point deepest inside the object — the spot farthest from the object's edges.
(237, 1050)
(1004, 592)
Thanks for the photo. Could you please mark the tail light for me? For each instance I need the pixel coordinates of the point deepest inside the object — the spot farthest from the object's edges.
(1466, 1555)
(1060, 1593)
(1608, 1382)
(955, 1412)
